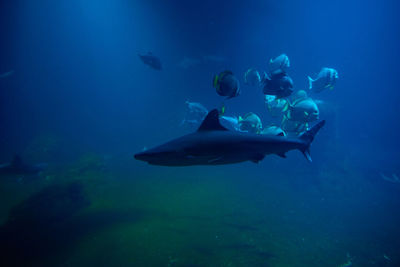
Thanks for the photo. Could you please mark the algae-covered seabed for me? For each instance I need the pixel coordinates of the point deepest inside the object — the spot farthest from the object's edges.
(238, 215)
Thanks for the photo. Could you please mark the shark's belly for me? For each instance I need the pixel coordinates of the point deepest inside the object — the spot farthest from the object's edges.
(225, 152)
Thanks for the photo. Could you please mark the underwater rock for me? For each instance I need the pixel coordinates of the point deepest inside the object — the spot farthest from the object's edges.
(44, 147)
(34, 227)
(41, 229)
(89, 162)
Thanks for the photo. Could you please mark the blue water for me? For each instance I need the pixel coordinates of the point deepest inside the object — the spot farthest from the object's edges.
(78, 97)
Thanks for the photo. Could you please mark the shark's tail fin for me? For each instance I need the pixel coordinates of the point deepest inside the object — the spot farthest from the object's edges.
(308, 137)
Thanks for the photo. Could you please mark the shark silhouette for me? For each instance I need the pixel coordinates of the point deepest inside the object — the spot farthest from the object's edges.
(213, 144)
(18, 167)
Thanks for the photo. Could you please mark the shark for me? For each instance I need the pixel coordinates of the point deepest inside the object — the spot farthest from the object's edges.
(213, 144)
(19, 167)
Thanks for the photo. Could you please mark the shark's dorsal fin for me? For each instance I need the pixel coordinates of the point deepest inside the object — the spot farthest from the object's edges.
(211, 122)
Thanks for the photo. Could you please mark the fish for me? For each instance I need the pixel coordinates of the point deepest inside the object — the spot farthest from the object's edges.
(252, 77)
(213, 144)
(232, 122)
(195, 113)
(293, 127)
(226, 84)
(279, 85)
(279, 64)
(250, 123)
(275, 106)
(273, 130)
(326, 79)
(303, 110)
(18, 167)
(151, 60)
(393, 179)
(188, 62)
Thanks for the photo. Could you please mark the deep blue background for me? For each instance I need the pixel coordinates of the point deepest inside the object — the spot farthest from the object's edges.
(77, 71)
(77, 76)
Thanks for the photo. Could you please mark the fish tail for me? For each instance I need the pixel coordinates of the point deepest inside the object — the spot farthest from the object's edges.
(310, 81)
(308, 137)
(286, 106)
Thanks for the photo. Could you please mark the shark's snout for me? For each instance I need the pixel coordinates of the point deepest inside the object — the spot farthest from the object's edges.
(142, 156)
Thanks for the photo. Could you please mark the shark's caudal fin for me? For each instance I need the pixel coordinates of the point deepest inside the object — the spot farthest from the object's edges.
(308, 137)
(211, 122)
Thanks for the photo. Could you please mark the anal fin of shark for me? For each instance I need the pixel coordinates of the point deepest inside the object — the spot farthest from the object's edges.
(257, 157)
(282, 155)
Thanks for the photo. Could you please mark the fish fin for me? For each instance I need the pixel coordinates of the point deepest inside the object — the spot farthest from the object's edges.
(306, 153)
(284, 118)
(223, 109)
(286, 106)
(257, 158)
(226, 72)
(306, 113)
(240, 119)
(271, 61)
(215, 81)
(211, 122)
(308, 137)
(310, 81)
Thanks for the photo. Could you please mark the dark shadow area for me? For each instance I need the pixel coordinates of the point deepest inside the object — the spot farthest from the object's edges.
(42, 229)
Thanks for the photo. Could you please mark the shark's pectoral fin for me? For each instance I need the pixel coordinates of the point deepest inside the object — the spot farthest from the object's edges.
(257, 157)
(282, 155)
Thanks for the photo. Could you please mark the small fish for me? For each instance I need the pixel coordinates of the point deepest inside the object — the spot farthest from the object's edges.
(250, 123)
(195, 113)
(303, 110)
(394, 179)
(386, 257)
(279, 64)
(188, 62)
(293, 127)
(273, 130)
(151, 60)
(226, 84)
(196, 107)
(326, 79)
(279, 85)
(18, 167)
(230, 122)
(275, 106)
(300, 94)
(252, 77)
